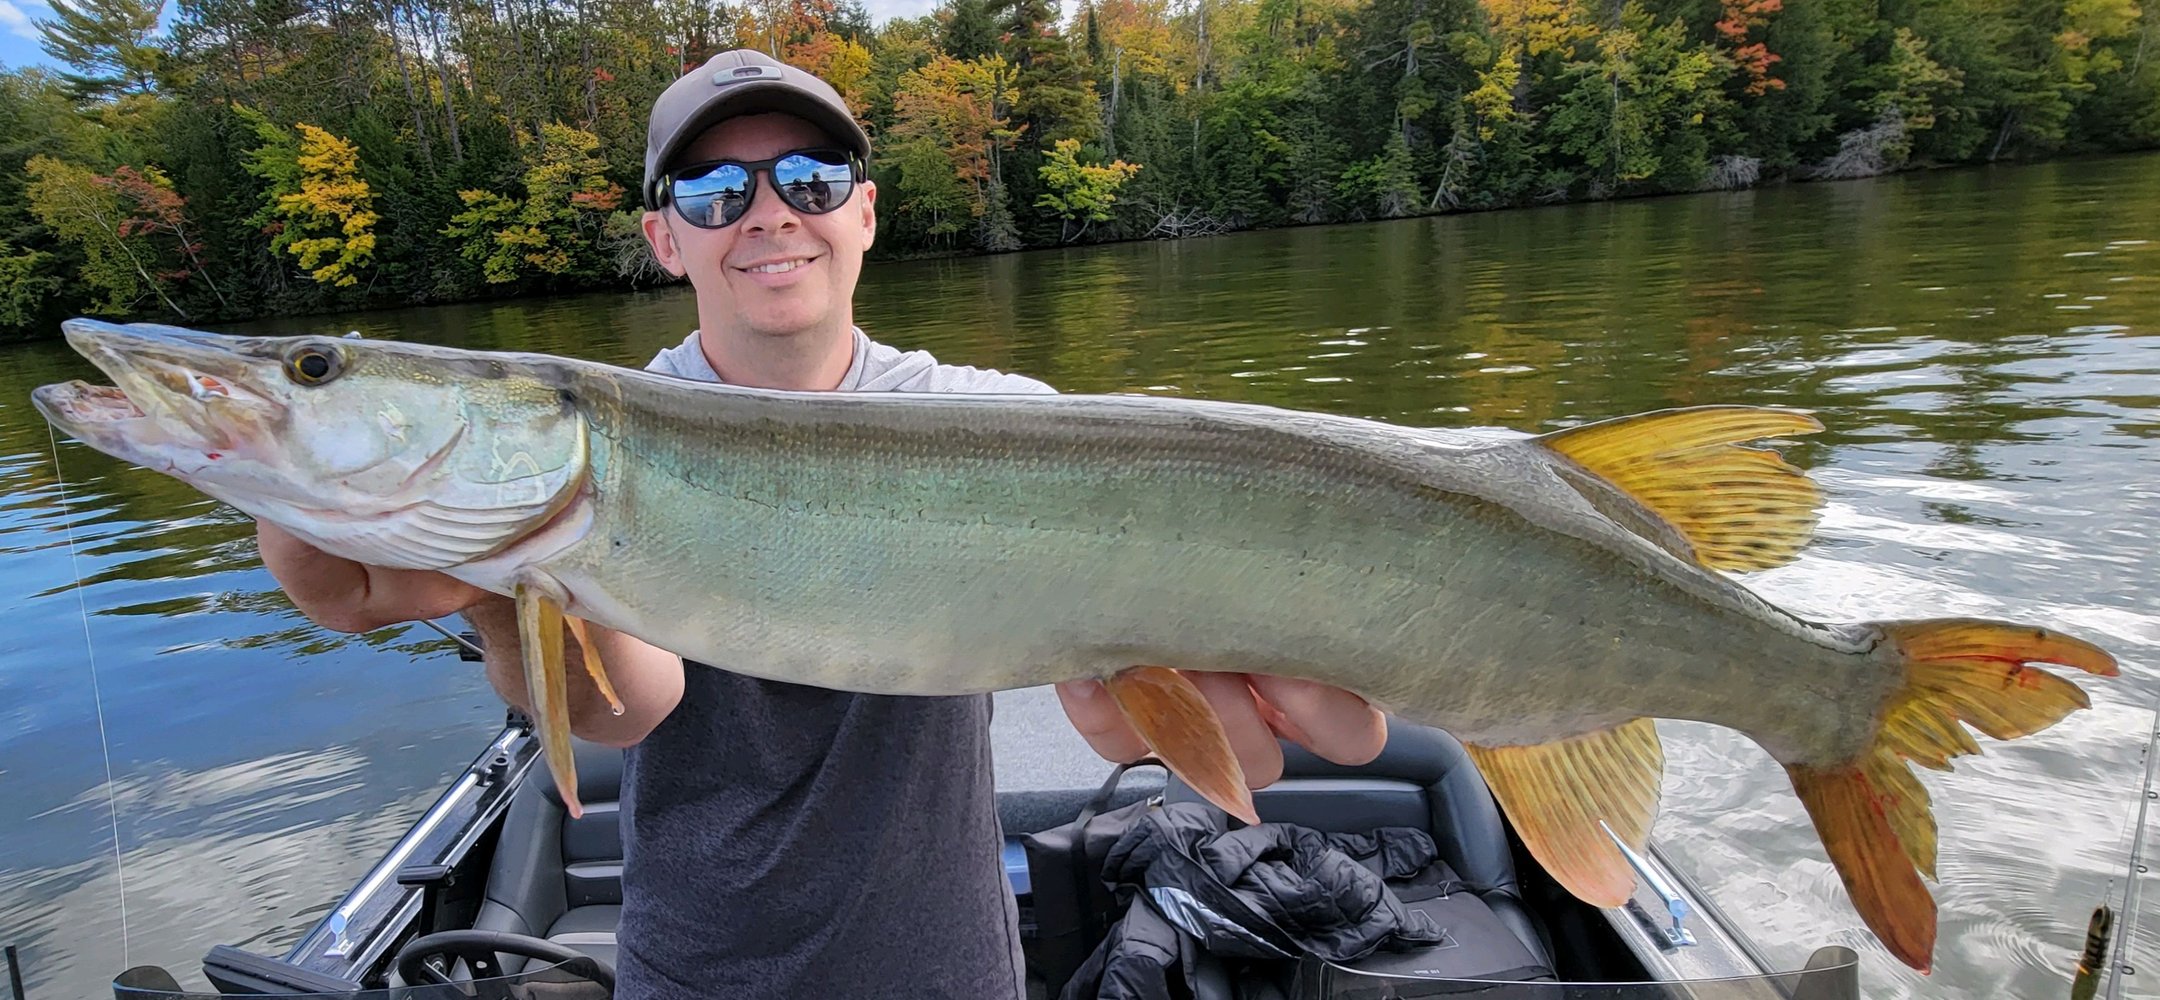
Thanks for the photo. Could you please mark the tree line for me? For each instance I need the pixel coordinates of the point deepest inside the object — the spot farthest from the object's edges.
(268, 157)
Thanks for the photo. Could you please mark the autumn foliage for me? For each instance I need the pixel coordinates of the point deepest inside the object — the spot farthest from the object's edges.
(1754, 59)
(210, 161)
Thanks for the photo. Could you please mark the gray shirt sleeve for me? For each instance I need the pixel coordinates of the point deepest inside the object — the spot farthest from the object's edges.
(877, 368)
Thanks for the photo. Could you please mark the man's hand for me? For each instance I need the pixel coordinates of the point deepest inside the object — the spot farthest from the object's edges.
(1329, 721)
(344, 596)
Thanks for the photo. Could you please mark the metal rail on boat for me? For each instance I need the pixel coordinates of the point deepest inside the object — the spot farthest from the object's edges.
(362, 927)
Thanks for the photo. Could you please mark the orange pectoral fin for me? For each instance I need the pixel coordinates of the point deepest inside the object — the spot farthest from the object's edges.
(593, 666)
(1182, 728)
(540, 633)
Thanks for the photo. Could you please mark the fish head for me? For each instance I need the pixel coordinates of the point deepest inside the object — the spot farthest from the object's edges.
(393, 454)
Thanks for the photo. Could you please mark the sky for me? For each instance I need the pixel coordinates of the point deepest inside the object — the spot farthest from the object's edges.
(19, 32)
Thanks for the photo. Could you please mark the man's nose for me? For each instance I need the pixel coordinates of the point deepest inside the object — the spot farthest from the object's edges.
(768, 211)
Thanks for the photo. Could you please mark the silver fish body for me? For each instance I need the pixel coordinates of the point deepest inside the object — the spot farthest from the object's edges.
(941, 544)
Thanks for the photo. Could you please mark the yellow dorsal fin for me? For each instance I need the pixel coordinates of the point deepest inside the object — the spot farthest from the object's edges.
(1556, 794)
(1738, 508)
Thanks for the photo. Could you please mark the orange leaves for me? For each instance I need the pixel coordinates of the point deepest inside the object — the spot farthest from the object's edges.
(842, 62)
(963, 107)
(1753, 59)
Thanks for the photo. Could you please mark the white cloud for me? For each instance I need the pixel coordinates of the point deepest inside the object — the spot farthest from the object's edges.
(17, 22)
(884, 10)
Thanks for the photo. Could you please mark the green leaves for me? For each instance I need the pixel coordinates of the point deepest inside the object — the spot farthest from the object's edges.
(1081, 192)
(298, 154)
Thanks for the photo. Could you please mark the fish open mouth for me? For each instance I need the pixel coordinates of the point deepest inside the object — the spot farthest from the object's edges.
(80, 402)
(161, 395)
(113, 419)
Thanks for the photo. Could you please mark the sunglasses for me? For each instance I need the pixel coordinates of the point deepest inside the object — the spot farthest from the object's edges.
(713, 195)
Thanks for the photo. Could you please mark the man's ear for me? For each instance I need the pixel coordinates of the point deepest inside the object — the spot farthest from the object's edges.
(869, 212)
(662, 241)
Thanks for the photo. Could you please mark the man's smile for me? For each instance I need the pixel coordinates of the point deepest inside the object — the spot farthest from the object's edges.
(777, 270)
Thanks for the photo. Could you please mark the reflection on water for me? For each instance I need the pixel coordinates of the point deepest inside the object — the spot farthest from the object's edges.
(1984, 347)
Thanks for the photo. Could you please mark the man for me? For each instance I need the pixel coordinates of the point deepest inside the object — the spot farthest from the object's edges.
(783, 840)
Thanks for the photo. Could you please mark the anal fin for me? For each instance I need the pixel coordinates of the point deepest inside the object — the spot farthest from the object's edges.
(1183, 730)
(1737, 508)
(540, 637)
(1561, 798)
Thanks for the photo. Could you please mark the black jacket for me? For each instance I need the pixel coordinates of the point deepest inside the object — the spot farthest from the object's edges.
(1273, 892)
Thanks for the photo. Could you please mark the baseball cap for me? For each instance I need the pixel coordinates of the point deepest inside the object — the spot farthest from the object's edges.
(739, 82)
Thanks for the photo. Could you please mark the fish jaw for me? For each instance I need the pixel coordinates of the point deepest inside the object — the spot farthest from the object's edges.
(180, 403)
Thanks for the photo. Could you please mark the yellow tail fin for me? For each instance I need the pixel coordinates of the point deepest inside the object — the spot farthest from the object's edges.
(1873, 815)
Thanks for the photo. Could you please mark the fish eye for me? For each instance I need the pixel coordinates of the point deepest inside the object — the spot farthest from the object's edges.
(313, 365)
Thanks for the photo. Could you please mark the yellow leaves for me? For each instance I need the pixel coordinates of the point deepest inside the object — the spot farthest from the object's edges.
(1143, 29)
(961, 108)
(567, 200)
(1537, 26)
(1493, 102)
(332, 215)
(1081, 191)
(842, 62)
(2088, 28)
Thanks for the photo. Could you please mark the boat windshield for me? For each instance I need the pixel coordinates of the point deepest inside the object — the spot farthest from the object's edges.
(1834, 977)
(570, 981)
(1832, 974)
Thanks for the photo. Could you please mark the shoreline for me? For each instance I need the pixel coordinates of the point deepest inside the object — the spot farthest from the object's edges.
(1776, 182)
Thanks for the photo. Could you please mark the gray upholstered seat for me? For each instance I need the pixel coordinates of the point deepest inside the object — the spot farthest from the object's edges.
(560, 878)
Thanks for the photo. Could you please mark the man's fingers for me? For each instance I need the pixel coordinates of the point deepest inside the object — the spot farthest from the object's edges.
(1331, 722)
(1250, 738)
(1099, 721)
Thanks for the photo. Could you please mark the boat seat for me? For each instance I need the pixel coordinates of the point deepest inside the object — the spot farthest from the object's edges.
(555, 877)
(1422, 779)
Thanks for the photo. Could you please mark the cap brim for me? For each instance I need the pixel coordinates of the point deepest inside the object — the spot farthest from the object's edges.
(754, 98)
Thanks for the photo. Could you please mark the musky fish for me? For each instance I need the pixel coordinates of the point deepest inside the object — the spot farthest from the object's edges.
(1543, 598)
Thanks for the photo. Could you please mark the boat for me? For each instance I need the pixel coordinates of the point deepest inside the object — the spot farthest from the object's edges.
(494, 889)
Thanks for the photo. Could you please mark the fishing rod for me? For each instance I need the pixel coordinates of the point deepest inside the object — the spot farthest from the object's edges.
(469, 645)
(2136, 872)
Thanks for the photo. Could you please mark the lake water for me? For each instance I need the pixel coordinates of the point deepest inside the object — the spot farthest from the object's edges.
(1984, 346)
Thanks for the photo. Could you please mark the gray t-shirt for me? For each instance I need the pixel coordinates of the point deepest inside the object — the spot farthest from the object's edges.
(782, 840)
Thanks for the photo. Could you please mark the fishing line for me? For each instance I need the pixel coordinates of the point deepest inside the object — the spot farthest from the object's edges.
(97, 697)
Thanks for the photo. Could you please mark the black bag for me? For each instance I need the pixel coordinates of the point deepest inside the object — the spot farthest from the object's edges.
(1072, 907)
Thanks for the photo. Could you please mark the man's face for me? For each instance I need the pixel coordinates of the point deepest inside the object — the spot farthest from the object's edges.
(724, 264)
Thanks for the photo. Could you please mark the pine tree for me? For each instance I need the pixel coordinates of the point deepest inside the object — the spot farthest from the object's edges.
(108, 42)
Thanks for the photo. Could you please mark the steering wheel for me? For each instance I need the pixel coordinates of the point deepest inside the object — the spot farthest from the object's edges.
(479, 948)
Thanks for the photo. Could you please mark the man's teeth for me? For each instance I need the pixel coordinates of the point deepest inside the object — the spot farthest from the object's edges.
(783, 266)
